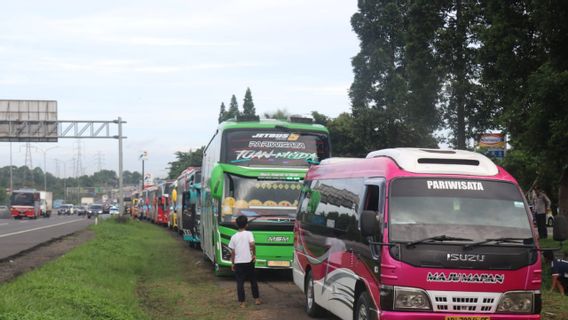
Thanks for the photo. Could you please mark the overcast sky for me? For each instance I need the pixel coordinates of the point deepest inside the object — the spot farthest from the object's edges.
(166, 66)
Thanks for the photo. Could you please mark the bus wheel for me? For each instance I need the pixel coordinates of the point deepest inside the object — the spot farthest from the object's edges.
(363, 311)
(220, 271)
(312, 308)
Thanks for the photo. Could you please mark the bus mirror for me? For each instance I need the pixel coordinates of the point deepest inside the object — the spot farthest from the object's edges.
(370, 225)
(216, 182)
(312, 161)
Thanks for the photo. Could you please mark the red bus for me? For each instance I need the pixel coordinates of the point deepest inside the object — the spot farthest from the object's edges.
(25, 203)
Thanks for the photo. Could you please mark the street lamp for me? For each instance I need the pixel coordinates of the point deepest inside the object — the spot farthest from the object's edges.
(143, 156)
(44, 151)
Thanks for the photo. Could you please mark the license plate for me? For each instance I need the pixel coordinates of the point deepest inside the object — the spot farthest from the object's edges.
(278, 263)
(467, 318)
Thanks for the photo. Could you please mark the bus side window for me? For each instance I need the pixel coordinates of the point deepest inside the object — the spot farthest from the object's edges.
(372, 198)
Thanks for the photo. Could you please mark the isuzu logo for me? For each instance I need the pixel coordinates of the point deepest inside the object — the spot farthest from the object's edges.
(465, 257)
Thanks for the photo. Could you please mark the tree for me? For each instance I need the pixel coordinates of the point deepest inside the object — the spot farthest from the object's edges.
(394, 91)
(233, 109)
(222, 113)
(248, 104)
(279, 114)
(525, 45)
(192, 158)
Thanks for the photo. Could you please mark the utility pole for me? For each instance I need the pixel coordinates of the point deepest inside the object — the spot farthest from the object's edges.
(11, 169)
(100, 158)
(44, 151)
(120, 191)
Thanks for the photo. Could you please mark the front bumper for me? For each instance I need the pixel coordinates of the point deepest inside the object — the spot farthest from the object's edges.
(398, 315)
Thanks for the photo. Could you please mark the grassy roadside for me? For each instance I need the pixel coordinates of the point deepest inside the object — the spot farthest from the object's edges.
(129, 271)
(554, 306)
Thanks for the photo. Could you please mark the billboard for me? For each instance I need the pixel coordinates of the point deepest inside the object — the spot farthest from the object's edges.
(28, 121)
(494, 144)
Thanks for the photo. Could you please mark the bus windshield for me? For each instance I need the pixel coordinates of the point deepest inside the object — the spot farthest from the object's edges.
(22, 199)
(274, 200)
(472, 209)
(274, 147)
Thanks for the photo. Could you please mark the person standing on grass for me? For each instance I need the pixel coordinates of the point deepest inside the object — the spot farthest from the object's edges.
(243, 256)
(541, 205)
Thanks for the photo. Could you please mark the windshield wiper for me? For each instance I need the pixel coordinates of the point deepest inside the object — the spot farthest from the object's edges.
(497, 241)
(440, 238)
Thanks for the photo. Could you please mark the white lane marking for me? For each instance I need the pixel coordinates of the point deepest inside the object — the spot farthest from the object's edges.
(39, 228)
(3, 224)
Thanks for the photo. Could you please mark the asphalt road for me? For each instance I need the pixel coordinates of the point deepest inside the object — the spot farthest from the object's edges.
(19, 235)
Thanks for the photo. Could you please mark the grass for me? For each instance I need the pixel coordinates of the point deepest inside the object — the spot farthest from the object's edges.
(554, 305)
(129, 271)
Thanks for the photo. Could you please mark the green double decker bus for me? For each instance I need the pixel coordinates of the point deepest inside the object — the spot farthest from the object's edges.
(256, 168)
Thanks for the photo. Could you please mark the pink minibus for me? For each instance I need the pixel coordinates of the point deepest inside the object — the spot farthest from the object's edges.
(410, 233)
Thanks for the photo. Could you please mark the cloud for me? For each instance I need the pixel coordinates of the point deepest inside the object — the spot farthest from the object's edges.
(334, 90)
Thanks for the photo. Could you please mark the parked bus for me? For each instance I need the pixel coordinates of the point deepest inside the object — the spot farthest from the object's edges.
(255, 168)
(163, 203)
(187, 205)
(25, 203)
(416, 234)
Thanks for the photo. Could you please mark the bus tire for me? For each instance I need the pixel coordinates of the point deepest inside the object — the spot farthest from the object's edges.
(312, 308)
(363, 309)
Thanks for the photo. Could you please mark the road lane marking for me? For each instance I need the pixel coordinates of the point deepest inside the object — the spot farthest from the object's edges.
(39, 228)
(3, 224)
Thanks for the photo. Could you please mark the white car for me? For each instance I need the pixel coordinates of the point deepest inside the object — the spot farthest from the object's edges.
(113, 210)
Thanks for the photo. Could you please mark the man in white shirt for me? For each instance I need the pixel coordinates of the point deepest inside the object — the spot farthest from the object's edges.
(243, 256)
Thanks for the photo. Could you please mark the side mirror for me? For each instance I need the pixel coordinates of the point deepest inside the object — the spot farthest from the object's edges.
(312, 161)
(370, 225)
(216, 182)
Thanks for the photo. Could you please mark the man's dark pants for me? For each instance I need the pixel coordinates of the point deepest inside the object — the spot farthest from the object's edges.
(242, 272)
(541, 225)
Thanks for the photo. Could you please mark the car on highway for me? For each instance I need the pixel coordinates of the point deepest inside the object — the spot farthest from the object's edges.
(113, 210)
(95, 209)
(66, 209)
(81, 210)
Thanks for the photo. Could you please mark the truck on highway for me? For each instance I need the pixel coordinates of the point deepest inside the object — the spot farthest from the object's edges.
(25, 203)
(85, 201)
(46, 203)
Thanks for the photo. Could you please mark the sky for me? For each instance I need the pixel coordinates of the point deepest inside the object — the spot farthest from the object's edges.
(166, 66)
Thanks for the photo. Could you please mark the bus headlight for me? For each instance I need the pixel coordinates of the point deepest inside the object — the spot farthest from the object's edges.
(411, 299)
(225, 252)
(516, 302)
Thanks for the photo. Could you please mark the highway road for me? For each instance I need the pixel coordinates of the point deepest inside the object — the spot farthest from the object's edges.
(19, 235)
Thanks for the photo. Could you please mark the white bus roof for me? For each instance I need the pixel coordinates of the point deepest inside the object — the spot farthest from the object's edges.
(439, 161)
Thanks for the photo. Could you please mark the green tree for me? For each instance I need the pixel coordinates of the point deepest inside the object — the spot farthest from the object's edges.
(233, 109)
(248, 104)
(192, 158)
(525, 45)
(394, 91)
(279, 114)
(222, 113)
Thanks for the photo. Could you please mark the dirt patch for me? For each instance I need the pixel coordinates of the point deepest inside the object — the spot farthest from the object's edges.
(35, 257)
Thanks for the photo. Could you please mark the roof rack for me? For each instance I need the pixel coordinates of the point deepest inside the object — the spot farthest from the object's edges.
(241, 118)
(301, 119)
(419, 160)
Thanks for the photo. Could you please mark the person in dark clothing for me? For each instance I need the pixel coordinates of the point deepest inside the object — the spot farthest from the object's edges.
(559, 275)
